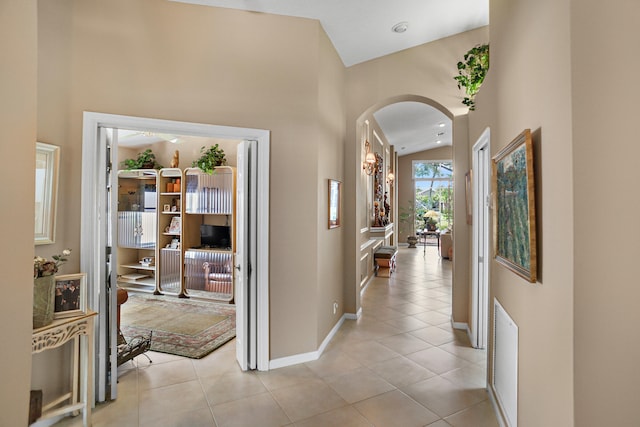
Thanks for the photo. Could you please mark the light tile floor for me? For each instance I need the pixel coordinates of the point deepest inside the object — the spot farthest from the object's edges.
(401, 364)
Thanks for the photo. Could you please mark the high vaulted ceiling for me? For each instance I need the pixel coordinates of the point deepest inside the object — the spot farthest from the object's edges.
(361, 30)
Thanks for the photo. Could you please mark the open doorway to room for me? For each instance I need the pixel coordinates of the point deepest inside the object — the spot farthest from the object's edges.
(101, 208)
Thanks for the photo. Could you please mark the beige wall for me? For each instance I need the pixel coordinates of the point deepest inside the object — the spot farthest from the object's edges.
(606, 291)
(119, 57)
(529, 86)
(18, 121)
(329, 138)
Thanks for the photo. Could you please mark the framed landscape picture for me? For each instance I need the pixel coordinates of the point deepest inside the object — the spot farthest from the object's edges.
(514, 216)
(71, 295)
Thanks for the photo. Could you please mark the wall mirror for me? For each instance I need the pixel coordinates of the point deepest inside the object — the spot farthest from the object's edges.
(47, 161)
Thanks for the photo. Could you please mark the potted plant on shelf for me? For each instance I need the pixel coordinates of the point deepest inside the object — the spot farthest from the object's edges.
(145, 160)
(210, 158)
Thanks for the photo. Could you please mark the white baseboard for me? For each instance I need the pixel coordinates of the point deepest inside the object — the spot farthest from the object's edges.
(496, 407)
(296, 359)
(463, 327)
(460, 325)
(351, 316)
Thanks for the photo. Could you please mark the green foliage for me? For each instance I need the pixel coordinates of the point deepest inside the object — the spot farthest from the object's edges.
(406, 215)
(210, 158)
(145, 160)
(472, 71)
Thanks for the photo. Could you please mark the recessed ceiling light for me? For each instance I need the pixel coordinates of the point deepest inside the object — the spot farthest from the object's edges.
(438, 142)
(400, 27)
(440, 133)
(403, 148)
(441, 125)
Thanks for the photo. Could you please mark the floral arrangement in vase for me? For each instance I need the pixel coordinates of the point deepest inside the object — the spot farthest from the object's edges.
(44, 282)
(43, 267)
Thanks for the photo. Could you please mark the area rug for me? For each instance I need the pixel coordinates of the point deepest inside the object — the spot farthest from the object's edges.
(178, 326)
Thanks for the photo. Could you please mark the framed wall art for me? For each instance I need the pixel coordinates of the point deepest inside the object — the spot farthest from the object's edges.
(514, 214)
(47, 161)
(468, 195)
(335, 188)
(71, 295)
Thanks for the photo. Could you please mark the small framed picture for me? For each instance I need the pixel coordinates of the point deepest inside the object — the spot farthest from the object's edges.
(334, 203)
(166, 208)
(71, 295)
(174, 227)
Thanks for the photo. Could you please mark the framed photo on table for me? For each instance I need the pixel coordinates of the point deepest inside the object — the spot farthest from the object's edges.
(71, 295)
(335, 188)
(514, 216)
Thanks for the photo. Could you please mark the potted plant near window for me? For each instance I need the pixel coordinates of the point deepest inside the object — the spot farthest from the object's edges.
(430, 220)
(407, 217)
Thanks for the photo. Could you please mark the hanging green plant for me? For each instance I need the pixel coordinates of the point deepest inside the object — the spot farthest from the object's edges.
(471, 73)
(210, 158)
(145, 160)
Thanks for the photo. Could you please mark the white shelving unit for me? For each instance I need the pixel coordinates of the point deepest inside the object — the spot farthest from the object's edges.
(166, 228)
(171, 207)
(137, 228)
(209, 200)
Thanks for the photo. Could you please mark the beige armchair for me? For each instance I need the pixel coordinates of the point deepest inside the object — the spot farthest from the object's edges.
(446, 245)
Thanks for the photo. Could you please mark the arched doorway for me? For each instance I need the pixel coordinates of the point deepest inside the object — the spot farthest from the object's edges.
(357, 192)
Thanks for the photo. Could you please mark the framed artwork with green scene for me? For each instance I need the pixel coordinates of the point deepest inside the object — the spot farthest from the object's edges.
(514, 214)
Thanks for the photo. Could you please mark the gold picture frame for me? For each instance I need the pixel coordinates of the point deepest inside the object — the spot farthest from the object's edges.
(335, 203)
(514, 219)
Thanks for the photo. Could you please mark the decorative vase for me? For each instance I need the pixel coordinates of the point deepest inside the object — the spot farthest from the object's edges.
(44, 297)
(412, 240)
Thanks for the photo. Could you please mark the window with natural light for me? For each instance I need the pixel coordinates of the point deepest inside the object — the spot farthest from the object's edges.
(433, 194)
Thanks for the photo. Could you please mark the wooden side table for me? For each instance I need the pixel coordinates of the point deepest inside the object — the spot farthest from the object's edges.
(80, 330)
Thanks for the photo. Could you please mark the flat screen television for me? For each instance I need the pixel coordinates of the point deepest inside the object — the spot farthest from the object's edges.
(215, 236)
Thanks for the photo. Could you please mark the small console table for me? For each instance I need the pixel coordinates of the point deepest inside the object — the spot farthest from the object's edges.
(424, 233)
(80, 330)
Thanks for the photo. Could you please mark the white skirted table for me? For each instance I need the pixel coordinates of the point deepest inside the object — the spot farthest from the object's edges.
(80, 330)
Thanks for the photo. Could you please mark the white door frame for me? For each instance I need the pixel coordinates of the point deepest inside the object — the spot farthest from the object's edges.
(93, 222)
(480, 259)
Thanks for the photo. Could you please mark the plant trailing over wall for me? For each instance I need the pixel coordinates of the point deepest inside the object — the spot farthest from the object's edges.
(210, 158)
(145, 160)
(471, 73)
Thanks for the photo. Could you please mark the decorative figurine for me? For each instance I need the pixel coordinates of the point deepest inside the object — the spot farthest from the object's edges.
(176, 159)
(387, 208)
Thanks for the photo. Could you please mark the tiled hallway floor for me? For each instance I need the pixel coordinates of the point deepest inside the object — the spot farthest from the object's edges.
(401, 364)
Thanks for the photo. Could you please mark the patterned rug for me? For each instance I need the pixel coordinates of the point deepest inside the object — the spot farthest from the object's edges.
(179, 326)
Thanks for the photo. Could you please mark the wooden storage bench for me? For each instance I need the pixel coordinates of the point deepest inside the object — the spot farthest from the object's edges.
(385, 259)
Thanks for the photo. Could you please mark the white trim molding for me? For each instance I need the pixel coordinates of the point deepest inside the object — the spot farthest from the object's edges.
(296, 359)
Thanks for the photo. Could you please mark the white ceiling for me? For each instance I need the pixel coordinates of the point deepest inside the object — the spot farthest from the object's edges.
(413, 126)
(361, 30)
